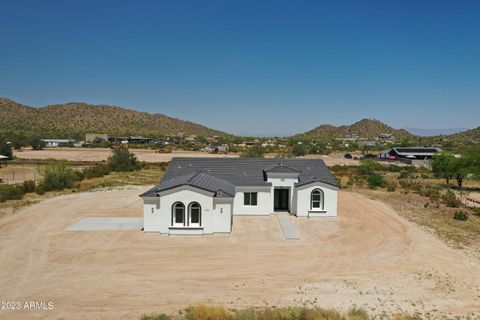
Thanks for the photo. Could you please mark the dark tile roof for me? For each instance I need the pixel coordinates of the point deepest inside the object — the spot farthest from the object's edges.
(221, 175)
(198, 179)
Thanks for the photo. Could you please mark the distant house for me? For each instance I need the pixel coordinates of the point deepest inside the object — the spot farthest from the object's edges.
(216, 149)
(420, 153)
(52, 143)
(139, 140)
(201, 195)
(91, 137)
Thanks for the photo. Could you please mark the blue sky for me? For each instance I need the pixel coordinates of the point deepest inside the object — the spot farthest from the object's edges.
(250, 67)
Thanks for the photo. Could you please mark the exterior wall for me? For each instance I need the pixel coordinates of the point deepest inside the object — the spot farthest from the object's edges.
(158, 212)
(264, 205)
(222, 218)
(302, 201)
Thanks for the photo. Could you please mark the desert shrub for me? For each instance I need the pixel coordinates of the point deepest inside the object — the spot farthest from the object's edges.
(460, 215)
(58, 176)
(356, 313)
(405, 183)
(96, 171)
(207, 313)
(450, 199)
(245, 314)
(161, 316)
(253, 152)
(28, 186)
(123, 160)
(391, 185)
(476, 210)
(404, 175)
(11, 192)
(375, 180)
(368, 166)
(40, 189)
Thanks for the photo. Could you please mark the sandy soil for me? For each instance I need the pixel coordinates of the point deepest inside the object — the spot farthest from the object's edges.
(99, 154)
(368, 255)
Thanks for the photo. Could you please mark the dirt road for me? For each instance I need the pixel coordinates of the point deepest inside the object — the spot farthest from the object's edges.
(368, 255)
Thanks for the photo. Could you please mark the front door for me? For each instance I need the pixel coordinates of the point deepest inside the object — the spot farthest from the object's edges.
(280, 200)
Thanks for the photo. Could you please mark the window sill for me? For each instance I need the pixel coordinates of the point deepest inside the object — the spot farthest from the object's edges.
(185, 227)
(317, 211)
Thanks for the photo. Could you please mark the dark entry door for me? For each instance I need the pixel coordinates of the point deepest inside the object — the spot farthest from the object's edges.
(280, 200)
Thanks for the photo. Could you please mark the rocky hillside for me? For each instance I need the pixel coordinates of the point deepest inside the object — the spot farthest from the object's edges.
(472, 135)
(76, 119)
(365, 128)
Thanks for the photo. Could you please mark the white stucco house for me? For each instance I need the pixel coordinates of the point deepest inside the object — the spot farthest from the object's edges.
(201, 195)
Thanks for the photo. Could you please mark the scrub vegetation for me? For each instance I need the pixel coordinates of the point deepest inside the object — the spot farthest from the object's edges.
(293, 313)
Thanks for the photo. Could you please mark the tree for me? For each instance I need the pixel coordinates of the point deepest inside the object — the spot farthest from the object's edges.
(36, 143)
(368, 166)
(6, 149)
(255, 151)
(123, 160)
(298, 150)
(441, 166)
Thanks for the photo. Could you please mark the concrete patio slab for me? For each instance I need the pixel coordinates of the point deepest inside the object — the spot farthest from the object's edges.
(288, 229)
(107, 223)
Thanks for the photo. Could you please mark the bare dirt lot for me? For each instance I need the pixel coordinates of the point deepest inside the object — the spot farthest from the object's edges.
(369, 255)
(101, 154)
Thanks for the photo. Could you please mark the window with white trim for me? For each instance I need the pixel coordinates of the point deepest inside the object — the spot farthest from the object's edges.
(178, 214)
(250, 198)
(316, 200)
(195, 214)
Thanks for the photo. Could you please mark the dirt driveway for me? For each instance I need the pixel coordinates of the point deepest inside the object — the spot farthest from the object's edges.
(368, 255)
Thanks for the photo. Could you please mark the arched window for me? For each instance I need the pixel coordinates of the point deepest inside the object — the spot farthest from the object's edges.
(316, 200)
(178, 214)
(195, 214)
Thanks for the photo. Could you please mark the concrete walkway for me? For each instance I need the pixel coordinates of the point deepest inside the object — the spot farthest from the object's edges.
(288, 229)
(107, 223)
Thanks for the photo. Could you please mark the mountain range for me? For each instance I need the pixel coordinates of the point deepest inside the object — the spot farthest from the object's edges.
(74, 119)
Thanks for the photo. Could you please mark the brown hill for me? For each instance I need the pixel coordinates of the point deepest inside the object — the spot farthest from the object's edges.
(472, 136)
(365, 128)
(76, 119)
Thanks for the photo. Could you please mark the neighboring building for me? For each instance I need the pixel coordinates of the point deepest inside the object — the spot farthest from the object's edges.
(139, 140)
(420, 153)
(216, 149)
(201, 195)
(52, 143)
(91, 137)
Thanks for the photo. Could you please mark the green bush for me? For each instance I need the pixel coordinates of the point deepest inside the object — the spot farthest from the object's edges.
(123, 160)
(460, 215)
(11, 192)
(40, 189)
(58, 176)
(375, 180)
(96, 171)
(28, 186)
(450, 199)
(298, 150)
